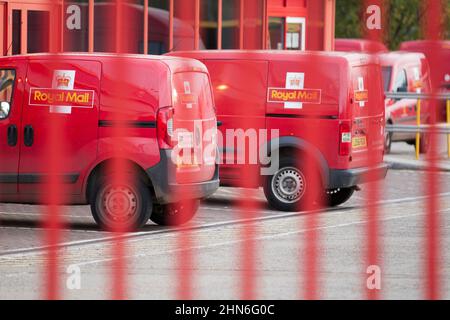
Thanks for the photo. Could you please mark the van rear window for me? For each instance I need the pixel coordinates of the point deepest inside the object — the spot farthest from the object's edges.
(387, 73)
(7, 79)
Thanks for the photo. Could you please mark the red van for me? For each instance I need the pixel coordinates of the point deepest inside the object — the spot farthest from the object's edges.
(405, 72)
(438, 56)
(338, 95)
(155, 97)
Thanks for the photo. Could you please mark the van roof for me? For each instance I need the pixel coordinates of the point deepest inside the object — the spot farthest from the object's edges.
(421, 45)
(400, 57)
(359, 45)
(277, 55)
(175, 64)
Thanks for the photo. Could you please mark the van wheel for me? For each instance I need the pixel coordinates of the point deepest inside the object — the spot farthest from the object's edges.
(424, 143)
(388, 138)
(336, 197)
(126, 206)
(289, 187)
(174, 214)
(387, 142)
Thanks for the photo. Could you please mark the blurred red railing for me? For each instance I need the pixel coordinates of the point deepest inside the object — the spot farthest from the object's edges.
(246, 206)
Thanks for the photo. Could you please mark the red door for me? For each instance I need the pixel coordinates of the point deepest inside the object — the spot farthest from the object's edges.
(11, 96)
(63, 93)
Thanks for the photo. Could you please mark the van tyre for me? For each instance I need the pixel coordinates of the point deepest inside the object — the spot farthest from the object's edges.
(337, 197)
(387, 142)
(174, 214)
(424, 143)
(289, 188)
(122, 207)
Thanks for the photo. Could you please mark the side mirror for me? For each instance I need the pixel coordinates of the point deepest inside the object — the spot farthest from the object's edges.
(4, 109)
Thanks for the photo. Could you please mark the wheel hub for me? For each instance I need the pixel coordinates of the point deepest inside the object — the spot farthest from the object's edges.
(288, 185)
(120, 203)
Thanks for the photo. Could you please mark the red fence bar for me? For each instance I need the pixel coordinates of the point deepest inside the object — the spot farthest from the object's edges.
(219, 23)
(145, 50)
(374, 10)
(312, 202)
(53, 182)
(241, 24)
(91, 26)
(432, 29)
(171, 14)
(197, 24)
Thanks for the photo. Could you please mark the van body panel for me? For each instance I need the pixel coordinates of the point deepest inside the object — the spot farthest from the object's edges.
(241, 104)
(79, 123)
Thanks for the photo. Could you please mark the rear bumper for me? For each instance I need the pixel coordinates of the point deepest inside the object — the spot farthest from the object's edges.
(352, 177)
(167, 190)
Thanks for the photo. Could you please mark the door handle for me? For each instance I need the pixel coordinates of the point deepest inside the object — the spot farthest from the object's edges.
(28, 136)
(12, 135)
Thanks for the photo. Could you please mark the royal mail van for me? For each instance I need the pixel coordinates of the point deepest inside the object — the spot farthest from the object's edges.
(326, 106)
(156, 101)
(405, 72)
(438, 56)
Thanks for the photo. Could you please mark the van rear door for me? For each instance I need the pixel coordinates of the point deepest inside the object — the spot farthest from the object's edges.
(367, 114)
(194, 127)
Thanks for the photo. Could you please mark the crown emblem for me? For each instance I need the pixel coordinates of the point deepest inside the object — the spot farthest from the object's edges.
(295, 82)
(62, 81)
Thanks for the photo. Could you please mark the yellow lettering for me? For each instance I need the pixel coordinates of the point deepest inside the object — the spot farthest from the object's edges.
(37, 95)
(71, 97)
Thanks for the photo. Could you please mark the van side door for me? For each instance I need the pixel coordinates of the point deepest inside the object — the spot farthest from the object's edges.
(12, 75)
(240, 95)
(60, 122)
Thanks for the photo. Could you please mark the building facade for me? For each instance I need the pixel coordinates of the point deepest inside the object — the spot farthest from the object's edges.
(159, 26)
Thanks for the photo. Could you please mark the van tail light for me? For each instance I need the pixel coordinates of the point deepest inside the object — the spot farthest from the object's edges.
(345, 138)
(164, 127)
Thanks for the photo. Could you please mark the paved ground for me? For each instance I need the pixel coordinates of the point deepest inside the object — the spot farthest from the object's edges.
(216, 243)
(216, 248)
(403, 156)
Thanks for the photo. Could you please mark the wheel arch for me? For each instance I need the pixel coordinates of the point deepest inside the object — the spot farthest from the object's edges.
(102, 166)
(290, 145)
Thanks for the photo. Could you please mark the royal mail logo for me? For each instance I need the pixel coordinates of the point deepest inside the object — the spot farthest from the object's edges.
(313, 96)
(361, 96)
(58, 97)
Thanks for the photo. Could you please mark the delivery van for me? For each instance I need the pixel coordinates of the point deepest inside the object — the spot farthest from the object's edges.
(151, 98)
(405, 72)
(438, 56)
(328, 106)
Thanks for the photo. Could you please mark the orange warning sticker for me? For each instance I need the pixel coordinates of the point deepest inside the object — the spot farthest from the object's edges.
(295, 95)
